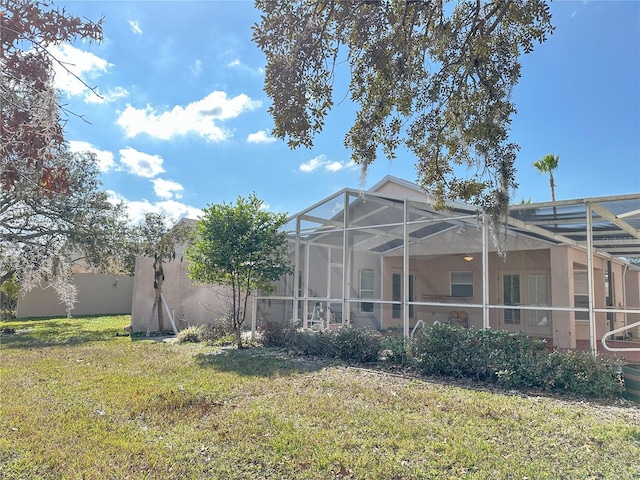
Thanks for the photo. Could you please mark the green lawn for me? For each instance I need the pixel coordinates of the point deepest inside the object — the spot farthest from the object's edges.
(79, 402)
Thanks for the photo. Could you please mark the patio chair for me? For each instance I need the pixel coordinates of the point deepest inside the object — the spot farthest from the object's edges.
(457, 317)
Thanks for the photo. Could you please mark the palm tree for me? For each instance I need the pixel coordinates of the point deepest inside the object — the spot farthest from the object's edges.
(548, 164)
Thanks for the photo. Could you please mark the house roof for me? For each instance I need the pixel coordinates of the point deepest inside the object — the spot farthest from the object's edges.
(614, 221)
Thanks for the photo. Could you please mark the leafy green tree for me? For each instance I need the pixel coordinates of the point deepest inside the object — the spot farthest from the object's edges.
(240, 246)
(548, 165)
(158, 238)
(435, 77)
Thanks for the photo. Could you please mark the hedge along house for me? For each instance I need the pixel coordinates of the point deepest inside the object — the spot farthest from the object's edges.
(386, 259)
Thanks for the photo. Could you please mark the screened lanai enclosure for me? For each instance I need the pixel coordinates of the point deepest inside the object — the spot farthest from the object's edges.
(385, 258)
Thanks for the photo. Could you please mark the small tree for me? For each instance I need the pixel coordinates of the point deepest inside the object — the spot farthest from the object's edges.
(548, 164)
(159, 241)
(240, 246)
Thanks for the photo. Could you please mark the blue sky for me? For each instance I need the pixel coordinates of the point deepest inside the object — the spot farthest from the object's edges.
(163, 63)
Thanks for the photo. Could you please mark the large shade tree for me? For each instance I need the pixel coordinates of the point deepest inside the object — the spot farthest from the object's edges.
(52, 209)
(435, 77)
(43, 231)
(242, 247)
(31, 125)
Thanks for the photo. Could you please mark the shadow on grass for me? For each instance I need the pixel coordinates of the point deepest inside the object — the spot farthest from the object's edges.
(37, 333)
(257, 362)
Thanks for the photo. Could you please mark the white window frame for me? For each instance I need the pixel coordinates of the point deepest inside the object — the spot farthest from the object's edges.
(453, 284)
(582, 293)
(367, 293)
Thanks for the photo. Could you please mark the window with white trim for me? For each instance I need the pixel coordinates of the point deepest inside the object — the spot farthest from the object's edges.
(366, 290)
(462, 284)
(581, 293)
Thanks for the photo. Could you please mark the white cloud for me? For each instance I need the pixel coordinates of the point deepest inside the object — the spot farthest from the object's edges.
(170, 208)
(246, 68)
(85, 65)
(103, 157)
(321, 163)
(110, 96)
(334, 166)
(167, 189)
(200, 117)
(141, 164)
(135, 27)
(196, 68)
(137, 209)
(261, 136)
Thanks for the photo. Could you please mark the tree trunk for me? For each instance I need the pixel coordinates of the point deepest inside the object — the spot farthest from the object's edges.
(159, 278)
(160, 310)
(238, 333)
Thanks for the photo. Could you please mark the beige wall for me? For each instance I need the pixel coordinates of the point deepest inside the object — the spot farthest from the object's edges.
(191, 304)
(98, 294)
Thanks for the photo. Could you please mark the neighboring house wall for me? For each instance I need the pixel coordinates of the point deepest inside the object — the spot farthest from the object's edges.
(190, 304)
(98, 294)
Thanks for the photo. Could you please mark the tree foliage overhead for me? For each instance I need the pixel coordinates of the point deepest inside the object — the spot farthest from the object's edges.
(31, 127)
(433, 76)
(240, 246)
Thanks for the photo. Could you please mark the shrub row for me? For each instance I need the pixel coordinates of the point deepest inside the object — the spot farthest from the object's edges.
(507, 359)
(348, 343)
(514, 361)
(204, 333)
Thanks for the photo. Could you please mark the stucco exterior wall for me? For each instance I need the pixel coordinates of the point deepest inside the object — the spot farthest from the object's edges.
(98, 294)
(189, 303)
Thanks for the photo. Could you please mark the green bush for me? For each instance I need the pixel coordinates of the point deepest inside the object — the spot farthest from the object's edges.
(514, 361)
(583, 374)
(442, 350)
(351, 344)
(314, 344)
(189, 335)
(394, 350)
(276, 334)
(215, 335)
(202, 333)
(356, 344)
(506, 358)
